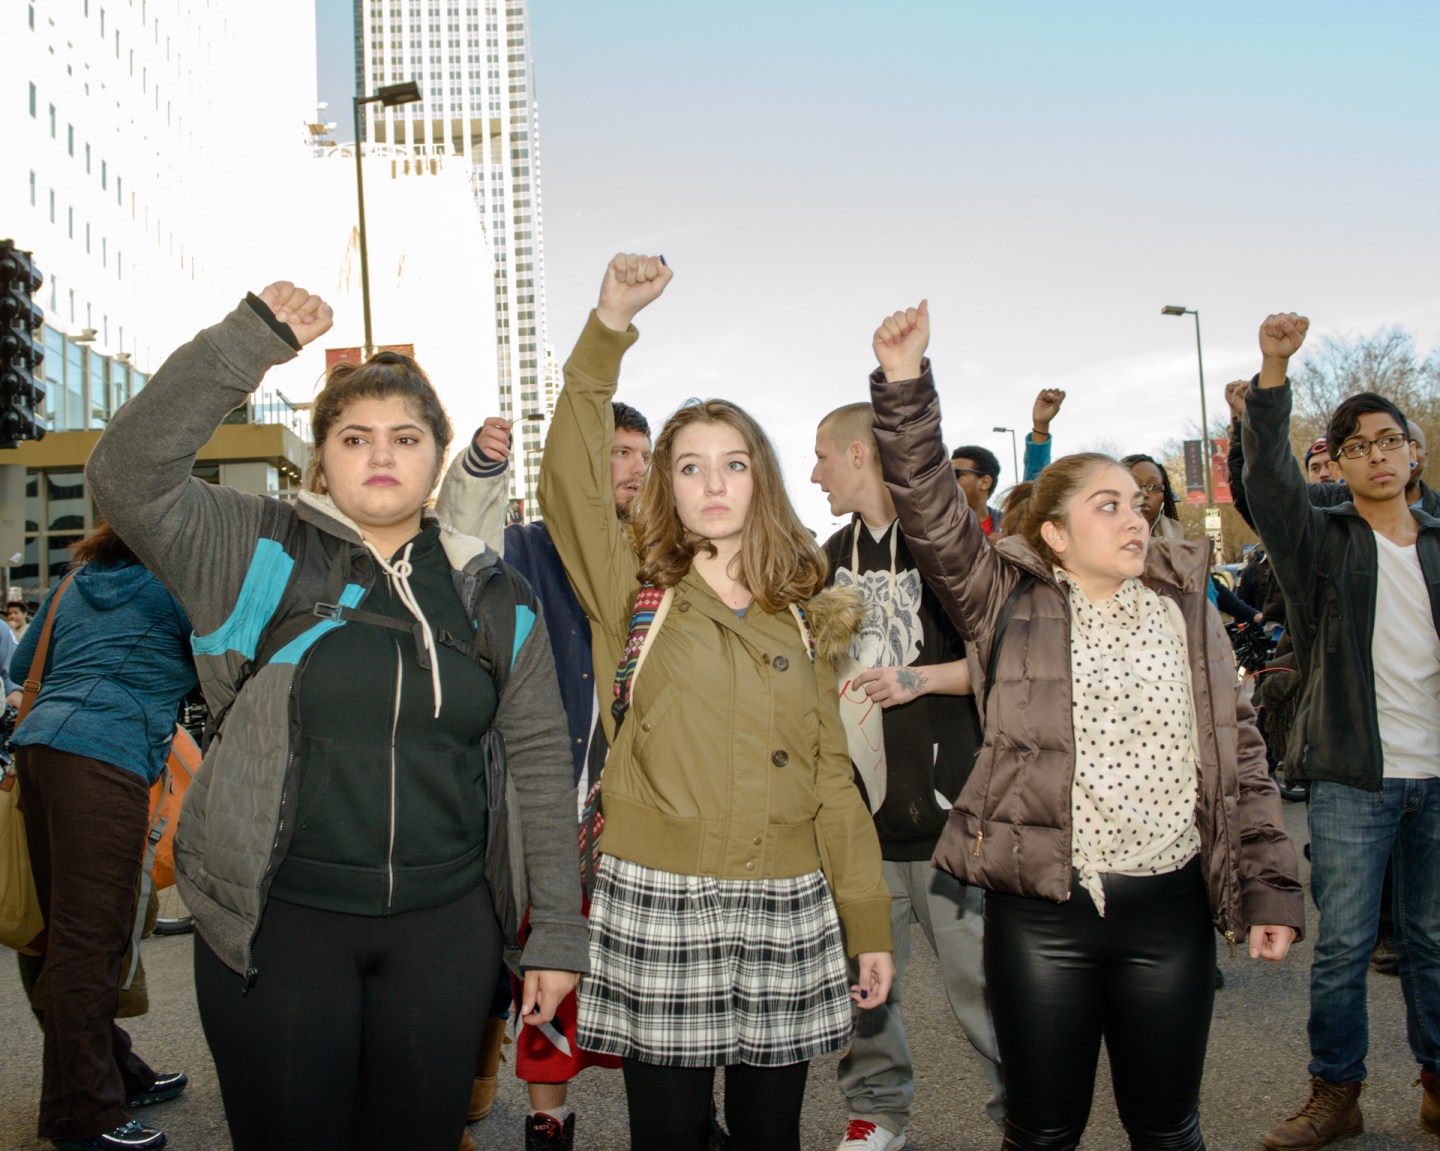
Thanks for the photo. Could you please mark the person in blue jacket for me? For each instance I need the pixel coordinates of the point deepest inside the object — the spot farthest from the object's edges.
(96, 738)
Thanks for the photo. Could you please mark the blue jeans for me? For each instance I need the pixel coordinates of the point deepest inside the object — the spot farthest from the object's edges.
(1352, 834)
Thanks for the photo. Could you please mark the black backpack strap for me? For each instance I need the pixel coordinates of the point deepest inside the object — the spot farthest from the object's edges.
(504, 595)
(1006, 611)
(442, 636)
(275, 638)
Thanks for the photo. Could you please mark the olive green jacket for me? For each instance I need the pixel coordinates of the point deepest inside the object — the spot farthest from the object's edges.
(732, 761)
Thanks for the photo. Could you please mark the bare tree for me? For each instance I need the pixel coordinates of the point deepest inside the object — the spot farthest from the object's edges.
(1384, 361)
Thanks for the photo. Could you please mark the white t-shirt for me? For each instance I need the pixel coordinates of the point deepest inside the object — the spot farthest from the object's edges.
(1406, 654)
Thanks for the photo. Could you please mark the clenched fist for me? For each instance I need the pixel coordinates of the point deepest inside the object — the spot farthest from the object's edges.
(1235, 397)
(1282, 334)
(1046, 408)
(308, 316)
(631, 283)
(493, 439)
(900, 342)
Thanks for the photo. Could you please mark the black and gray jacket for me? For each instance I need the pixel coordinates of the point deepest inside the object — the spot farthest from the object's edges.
(1325, 560)
(250, 572)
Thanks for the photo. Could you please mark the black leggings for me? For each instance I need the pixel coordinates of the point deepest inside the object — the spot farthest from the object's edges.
(670, 1106)
(358, 1033)
(1143, 977)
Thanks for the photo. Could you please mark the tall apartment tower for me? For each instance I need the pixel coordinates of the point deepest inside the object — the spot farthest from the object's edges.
(471, 59)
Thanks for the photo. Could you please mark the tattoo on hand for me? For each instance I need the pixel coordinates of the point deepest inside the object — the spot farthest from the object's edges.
(911, 680)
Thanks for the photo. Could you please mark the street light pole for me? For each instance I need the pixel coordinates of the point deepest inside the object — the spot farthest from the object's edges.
(1014, 452)
(390, 95)
(1176, 310)
(369, 347)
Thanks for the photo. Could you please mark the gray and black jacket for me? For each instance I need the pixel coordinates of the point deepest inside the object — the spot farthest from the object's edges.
(250, 571)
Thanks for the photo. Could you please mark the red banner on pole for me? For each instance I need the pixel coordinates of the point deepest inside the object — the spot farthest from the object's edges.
(1220, 471)
(1218, 463)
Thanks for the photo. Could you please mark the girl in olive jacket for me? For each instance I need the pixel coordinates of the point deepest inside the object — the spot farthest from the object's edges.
(729, 800)
(1120, 804)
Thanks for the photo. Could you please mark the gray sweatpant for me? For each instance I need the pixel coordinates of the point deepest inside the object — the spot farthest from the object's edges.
(877, 1074)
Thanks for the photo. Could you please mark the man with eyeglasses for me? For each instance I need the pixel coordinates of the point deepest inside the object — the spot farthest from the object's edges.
(977, 471)
(1362, 582)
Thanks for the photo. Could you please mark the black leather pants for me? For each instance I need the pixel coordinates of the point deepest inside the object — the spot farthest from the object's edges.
(1143, 977)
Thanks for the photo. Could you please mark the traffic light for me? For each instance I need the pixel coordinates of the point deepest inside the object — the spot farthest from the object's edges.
(22, 383)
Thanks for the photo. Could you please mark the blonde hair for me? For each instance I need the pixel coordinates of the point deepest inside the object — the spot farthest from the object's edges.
(851, 424)
(1046, 499)
(779, 561)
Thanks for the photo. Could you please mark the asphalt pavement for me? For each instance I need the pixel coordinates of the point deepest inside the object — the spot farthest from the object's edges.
(1254, 1077)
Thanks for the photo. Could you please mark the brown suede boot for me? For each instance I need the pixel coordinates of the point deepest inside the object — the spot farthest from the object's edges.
(1332, 1112)
(1430, 1102)
(467, 1141)
(487, 1071)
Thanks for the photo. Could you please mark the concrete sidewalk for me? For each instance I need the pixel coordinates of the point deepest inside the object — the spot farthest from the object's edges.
(1255, 1075)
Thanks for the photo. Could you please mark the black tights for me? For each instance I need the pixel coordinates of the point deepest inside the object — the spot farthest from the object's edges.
(360, 1032)
(1061, 977)
(670, 1106)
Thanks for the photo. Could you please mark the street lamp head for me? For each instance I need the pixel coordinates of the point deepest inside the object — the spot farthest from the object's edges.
(1174, 310)
(1002, 429)
(406, 92)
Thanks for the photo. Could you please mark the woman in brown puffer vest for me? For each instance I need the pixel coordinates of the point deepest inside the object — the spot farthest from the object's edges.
(1120, 804)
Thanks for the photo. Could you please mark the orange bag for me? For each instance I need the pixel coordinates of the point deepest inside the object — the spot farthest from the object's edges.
(166, 795)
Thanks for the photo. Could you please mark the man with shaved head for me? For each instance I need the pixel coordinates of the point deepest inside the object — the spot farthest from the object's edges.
(913, 730)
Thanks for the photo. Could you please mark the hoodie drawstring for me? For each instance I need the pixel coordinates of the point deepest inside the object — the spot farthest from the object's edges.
(399, 575)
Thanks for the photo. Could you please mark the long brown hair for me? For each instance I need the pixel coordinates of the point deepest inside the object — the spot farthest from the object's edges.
(383, 375)
(102, 546)
(1046, 499)
(779, 561)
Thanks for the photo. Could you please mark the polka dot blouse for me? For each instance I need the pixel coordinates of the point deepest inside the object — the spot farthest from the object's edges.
(1132, 802)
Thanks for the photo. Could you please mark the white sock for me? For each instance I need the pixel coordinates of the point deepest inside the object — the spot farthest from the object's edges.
(559, 1114)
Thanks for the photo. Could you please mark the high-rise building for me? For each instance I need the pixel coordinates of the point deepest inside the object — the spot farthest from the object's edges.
(471, 59)
(152, 149)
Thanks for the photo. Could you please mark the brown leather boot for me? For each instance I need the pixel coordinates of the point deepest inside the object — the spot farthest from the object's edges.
(487, 1071)
(467, 1141)
(1430, 1102)
(1332, 1112)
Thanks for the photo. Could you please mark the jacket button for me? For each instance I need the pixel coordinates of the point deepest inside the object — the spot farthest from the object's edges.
(750, 865)
(757, 841)
(683, 605)
(645, 726)
(780, 758)
(780, 663)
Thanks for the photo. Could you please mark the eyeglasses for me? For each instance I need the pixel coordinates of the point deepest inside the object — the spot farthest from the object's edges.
(968, 472)
(1359, 449)
(1153, 489)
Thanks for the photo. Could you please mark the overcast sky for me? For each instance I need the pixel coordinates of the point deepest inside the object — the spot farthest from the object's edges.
(1048, 174)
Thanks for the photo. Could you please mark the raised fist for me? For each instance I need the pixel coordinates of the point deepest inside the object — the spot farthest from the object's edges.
(1235, 397)
(631, 283)
(900, 342)
(308, 316)
(1282, 334)
(1047, 407)
(493, 438)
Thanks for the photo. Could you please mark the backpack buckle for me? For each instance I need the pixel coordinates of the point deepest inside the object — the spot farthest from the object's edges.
(329, 611)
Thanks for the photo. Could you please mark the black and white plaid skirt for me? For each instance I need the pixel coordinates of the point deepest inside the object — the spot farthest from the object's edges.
(692, 971)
